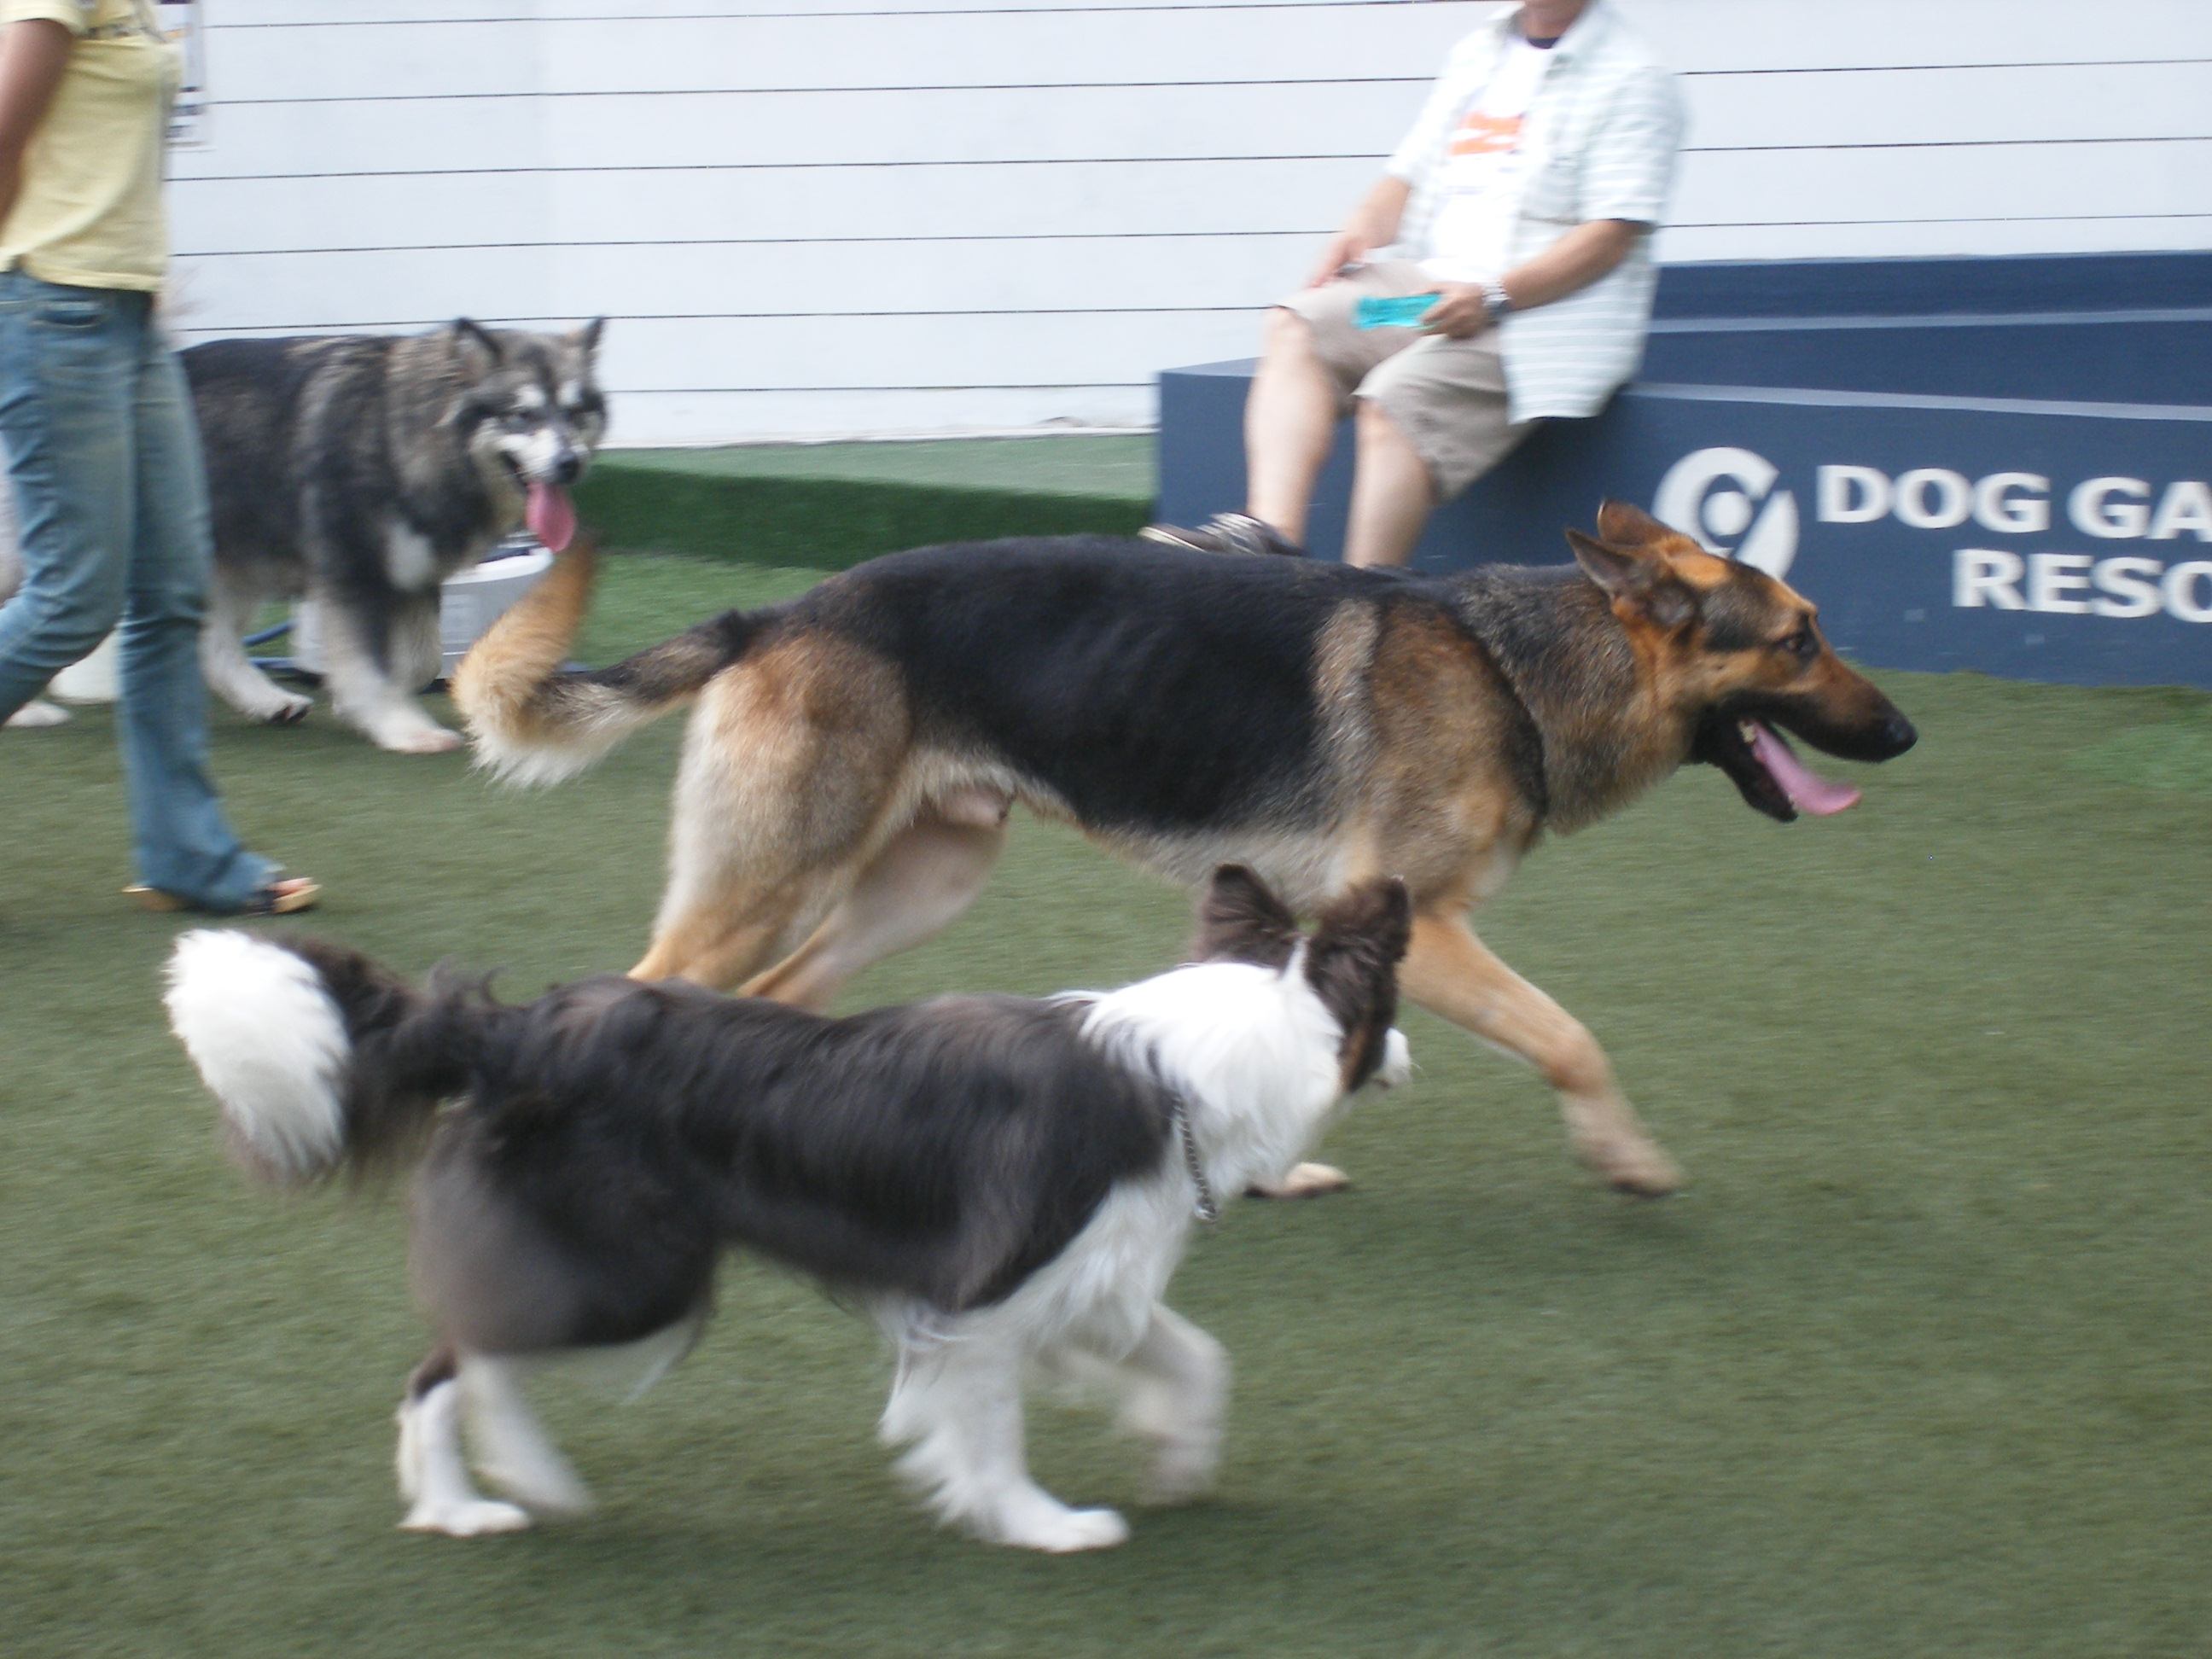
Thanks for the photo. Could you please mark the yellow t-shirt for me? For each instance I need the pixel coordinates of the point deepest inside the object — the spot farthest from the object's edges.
(90, 213)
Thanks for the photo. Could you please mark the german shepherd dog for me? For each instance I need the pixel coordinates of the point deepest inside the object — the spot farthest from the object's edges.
(846, 780)
(362, 470)
(1004, 1184)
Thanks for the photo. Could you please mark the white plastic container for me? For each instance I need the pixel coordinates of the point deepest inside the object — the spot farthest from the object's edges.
(469, 603)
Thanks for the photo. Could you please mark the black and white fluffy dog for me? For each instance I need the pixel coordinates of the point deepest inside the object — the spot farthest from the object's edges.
(1007, 1184)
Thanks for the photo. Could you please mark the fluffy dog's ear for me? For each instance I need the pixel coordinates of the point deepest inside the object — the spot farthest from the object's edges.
(1240, 921)
(477, 346)
(587, 338)
(1375, 918)
(1638, 577)
(1352, 966)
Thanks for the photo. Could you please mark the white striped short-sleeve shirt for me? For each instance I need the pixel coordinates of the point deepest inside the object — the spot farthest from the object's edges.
(1602, 130)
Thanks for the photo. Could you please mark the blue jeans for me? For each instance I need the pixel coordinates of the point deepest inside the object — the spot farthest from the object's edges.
(113, 500)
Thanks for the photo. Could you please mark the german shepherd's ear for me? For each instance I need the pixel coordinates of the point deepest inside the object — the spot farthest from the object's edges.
(477, 346)
(587, 338)
(1240, 921)
(1638, 577)
(1625, 524)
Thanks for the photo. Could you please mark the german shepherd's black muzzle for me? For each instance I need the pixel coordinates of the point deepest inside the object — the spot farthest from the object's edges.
(1862, 724)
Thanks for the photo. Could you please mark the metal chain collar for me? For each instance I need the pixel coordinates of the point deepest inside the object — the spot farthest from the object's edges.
(1208, 1211)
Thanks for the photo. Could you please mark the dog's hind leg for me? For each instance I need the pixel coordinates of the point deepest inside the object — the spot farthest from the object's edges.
(512, 1450)
(1175, 1388)
(780, 803)
(1449, 972)
(914, 888)
(433, 1479)
(960, 1403)
(232, 603)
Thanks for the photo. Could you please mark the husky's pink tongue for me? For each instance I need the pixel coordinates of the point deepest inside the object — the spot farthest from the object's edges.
(550, 516)
(1808, 792)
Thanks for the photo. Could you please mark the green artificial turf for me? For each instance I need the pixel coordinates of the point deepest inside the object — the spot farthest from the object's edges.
(824, 506)
(1917, 1365)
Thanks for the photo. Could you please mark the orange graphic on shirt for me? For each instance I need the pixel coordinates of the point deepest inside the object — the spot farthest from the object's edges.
(1486, 135)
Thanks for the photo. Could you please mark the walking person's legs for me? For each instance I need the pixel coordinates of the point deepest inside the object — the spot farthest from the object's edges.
(185, 845)
(64, 413)
(104, 466)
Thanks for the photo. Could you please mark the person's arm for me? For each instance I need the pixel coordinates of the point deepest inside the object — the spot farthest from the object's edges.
(1373, 224)
(33, 54)
(1574, 262)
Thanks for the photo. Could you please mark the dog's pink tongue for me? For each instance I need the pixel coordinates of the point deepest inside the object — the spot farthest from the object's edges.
(1808, 792)
(550, 516)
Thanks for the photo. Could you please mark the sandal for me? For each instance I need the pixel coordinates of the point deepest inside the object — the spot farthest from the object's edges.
(278, 898)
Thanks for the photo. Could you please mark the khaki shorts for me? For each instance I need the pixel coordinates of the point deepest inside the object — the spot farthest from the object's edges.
(1447, 396)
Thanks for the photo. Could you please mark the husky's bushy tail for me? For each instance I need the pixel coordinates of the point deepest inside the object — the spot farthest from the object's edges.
(322, 1060)
(533, 722)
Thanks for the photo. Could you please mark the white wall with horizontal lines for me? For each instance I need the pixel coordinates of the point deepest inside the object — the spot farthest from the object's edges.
(808, 216)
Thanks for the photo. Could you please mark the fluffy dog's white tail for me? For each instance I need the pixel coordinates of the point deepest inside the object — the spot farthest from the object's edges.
(321, 1060)
(272, 1046)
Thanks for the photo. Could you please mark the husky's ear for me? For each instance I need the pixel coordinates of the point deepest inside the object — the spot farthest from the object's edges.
(477, 346)
(1638, 577)
(1625, 524)
(1240, 921)
(587, 338)
(1352, 966)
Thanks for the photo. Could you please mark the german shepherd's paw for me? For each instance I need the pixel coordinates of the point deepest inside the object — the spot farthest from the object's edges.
(1637, 1167)
(418, 741)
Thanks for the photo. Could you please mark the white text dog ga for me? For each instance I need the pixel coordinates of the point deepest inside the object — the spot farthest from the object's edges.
(2019, 504)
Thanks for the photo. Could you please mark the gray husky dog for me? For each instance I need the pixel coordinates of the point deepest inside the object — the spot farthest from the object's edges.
(360, 471)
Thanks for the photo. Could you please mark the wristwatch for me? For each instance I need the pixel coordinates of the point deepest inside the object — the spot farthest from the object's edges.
(1496, 301)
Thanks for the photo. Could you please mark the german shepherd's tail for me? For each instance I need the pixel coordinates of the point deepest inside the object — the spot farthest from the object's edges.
(533, 722)
(322, 1060)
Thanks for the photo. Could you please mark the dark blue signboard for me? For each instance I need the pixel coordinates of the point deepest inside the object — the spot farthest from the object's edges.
(2035, 539)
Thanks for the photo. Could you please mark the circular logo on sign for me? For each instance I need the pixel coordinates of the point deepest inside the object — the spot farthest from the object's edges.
(1717, 495)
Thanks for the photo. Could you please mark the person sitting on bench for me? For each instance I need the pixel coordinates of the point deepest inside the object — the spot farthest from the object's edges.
(1523, 201)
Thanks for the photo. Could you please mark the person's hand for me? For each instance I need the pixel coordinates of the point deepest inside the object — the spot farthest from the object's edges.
(1347, 247)
(1459, 311)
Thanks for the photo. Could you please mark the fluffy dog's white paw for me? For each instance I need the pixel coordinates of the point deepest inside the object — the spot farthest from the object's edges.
(1070, 1530)
(1181, 1474)
(467, 1520)
(1304, 1180)
(541, 1489)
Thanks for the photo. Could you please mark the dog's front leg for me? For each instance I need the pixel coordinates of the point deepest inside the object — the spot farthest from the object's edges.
(1449, 971)
(374, 664)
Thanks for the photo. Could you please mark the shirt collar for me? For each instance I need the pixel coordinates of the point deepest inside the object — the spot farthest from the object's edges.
(1580, 33)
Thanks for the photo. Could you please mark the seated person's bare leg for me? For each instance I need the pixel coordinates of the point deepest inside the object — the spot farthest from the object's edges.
(1290, 424)
(1392, 494)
